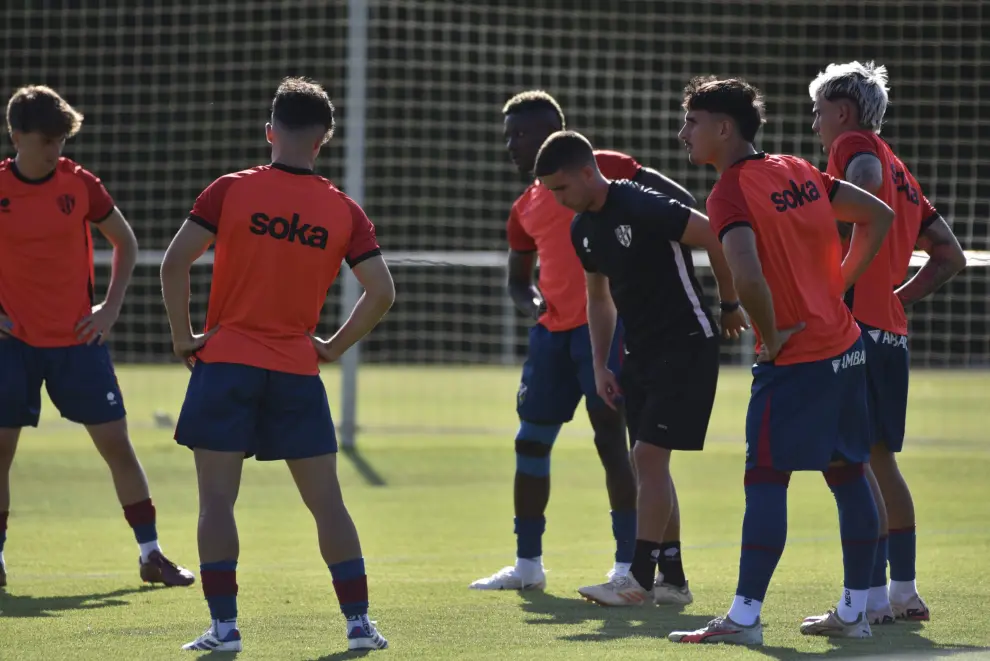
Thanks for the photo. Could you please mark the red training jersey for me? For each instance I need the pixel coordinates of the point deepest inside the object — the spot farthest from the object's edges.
(537, 223)
(46, 250)
(282, 234)
(786, 202)
(872, 298)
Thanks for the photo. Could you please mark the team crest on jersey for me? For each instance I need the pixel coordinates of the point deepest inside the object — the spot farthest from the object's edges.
(624, 234)
(66, 203)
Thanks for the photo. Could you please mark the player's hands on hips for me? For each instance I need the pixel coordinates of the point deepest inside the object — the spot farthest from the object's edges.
(325, 349)
(772, 345)
(539, 308)
(96, 326)
(733, 324)
(607, 386)
(186, 347)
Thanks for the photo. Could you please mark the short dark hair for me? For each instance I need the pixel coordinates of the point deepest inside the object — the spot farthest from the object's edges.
(733, 97)
(301, 103)
(534, 100)
(40, 109)
(563, 150)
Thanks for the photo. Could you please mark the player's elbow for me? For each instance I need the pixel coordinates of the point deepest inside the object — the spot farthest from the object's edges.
(382, 293)
(951, 256)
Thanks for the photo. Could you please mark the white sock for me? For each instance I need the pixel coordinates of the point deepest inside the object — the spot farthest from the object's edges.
(1, 559)
(147, 548)
(529, 568)
(221, 628)
(852, 604)
(745, 611)
(903, 590)
(622, 568)
(877, 598)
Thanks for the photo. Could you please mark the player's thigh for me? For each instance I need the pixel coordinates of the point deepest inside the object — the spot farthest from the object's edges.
(549, 390)
(887, 368)
(681, 394)
(856, 428)
(222, 408)
(793, 422)
(21, 376)
(82, 383)
(295, 420)
(584, 365)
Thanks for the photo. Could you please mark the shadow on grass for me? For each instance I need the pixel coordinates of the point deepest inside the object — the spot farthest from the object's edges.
(903, 640)
(14, 605)
(364, 469)
(615, 623)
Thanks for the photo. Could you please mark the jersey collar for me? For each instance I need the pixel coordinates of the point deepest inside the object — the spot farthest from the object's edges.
(292, 170)
(30, 182)
(758, 156)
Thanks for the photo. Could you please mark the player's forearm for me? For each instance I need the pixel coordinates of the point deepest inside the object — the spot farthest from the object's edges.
(526, 297)
(938, 270)
(122, 268)
(863, 247)
(369, 310)
(602, 318)
(723, 274)
(755, 297)
(175, 293)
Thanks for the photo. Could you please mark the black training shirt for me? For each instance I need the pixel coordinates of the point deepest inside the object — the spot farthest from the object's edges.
(633, 240)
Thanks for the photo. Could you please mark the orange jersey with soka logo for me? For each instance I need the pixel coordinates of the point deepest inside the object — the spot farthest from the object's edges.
(786, 202)
(281, 236)
(872, 298)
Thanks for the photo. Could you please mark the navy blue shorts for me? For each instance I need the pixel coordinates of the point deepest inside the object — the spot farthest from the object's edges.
(802, 417)
(887, 364)
(79, 379)
(262, 413)
(558, 372)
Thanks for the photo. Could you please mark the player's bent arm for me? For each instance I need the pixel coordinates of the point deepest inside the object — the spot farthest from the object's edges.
(189, 243)
(378, 296)
(652, 179)
(872, 219)
(743, 259)
(118, 232)
(699, 234)
(602, 318)
(522, 289)
(945, 259)
(865, 171)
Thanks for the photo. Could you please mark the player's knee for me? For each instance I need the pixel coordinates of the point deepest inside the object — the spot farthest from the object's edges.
(533, 445)
(651, 461)
(766, 475)
(836, 476)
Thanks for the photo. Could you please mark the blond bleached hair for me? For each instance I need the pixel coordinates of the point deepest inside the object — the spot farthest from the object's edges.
(863, 84)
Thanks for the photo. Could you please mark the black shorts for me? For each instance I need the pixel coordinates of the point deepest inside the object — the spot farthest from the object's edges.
(669, 394)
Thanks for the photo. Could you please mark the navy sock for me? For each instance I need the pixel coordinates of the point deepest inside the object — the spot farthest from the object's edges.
(764, 530)
(644, 565)
(529, 536)
(670, 564)
(624, 531)
(141, 518)
(3, 529)
(351, 585)
(901, 549)
(220, 588)
(880, 565)
(859, 523)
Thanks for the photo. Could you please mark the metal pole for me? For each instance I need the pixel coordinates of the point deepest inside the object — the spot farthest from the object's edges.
(356, 104)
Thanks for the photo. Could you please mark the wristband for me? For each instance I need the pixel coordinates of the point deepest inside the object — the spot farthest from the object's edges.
(729, 307)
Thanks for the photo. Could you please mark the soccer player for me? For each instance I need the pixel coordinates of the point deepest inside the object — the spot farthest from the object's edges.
(559, 370)
(280, 234)
(633, 243)
(775, 216)
(52, 331)
(849, 105)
